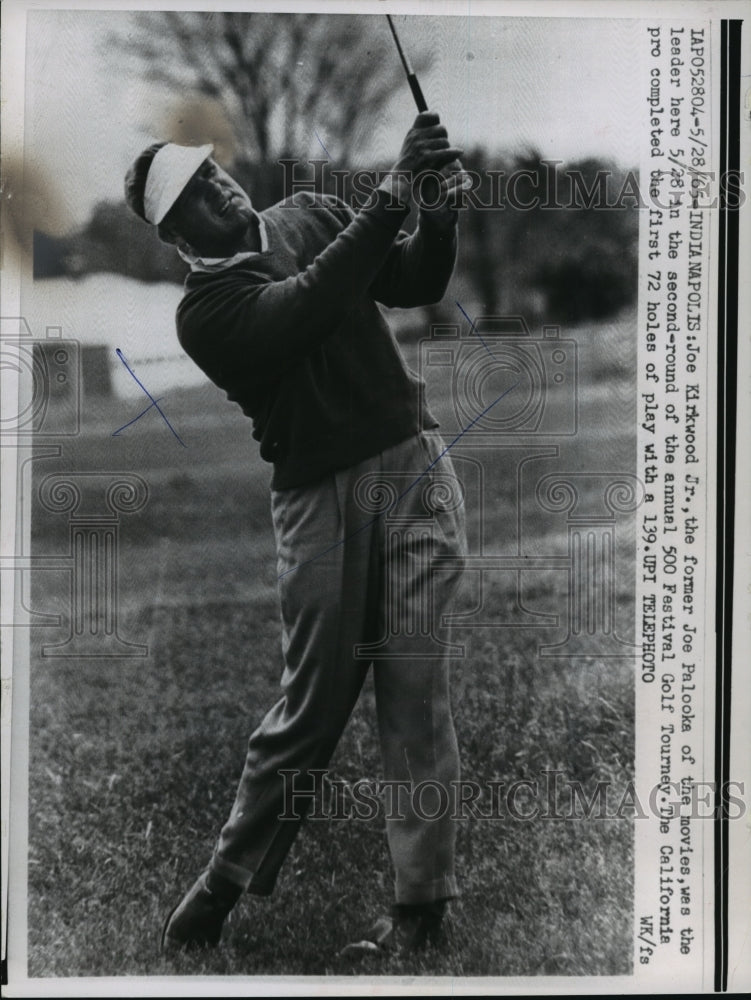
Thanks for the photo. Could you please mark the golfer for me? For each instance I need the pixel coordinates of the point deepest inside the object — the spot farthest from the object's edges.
(281, 310)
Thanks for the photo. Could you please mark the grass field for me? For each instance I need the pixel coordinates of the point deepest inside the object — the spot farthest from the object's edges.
(134, 762)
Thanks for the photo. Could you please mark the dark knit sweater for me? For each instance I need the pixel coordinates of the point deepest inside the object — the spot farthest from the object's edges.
(295, 337)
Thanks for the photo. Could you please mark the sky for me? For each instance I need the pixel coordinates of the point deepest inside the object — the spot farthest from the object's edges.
(564, 86)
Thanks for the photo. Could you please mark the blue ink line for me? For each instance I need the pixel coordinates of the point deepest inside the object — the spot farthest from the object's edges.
(448, 447)
(321, 143)
(154, 402)
(364, 527)
(149, 407)
(474, 328)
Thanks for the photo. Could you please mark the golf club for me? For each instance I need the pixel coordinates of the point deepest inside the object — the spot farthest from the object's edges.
(412, 80)
(414, 85)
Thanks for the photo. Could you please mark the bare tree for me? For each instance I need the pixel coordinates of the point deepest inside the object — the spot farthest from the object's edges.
(274, 78)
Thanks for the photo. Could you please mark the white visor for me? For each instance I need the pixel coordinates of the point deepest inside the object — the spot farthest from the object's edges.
(170, 170)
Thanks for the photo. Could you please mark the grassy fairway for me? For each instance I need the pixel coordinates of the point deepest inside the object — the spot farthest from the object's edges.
(133, 772)
(134, 762)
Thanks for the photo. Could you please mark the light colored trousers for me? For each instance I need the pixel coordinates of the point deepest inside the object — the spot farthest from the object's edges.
(359, 584)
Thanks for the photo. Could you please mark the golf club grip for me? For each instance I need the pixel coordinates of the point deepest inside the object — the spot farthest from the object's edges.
(414, 86)
(422, 105)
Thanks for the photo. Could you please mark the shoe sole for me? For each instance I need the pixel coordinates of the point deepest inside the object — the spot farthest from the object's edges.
(163, 938)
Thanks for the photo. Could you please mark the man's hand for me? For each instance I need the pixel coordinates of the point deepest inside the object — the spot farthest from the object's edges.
(426, 147)
(439, 202)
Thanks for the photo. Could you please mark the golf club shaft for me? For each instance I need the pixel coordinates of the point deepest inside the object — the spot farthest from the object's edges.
(414, 86)
(412, 80)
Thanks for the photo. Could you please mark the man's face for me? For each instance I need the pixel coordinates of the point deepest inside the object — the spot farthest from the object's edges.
(213, 213)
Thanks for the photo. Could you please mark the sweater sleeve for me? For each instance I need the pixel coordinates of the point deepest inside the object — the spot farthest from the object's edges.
(268, 326)
(417, 269)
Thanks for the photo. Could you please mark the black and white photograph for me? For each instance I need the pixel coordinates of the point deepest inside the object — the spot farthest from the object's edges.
(366, 464)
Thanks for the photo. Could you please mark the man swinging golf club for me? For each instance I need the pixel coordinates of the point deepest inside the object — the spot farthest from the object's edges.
(280, 310)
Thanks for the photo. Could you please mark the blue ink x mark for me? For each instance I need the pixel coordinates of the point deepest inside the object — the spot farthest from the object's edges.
(321, 143)
(153, 404)
(403, 494)
(149, 407)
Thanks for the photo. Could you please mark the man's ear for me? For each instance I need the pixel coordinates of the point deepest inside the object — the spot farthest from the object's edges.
(166, 234)
(172, 238)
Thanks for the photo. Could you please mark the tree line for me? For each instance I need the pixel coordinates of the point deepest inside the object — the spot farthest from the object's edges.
(568, 263)
(254, 84)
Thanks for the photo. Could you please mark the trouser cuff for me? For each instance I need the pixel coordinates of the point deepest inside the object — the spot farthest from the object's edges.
(426, 892)
(241, 877)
